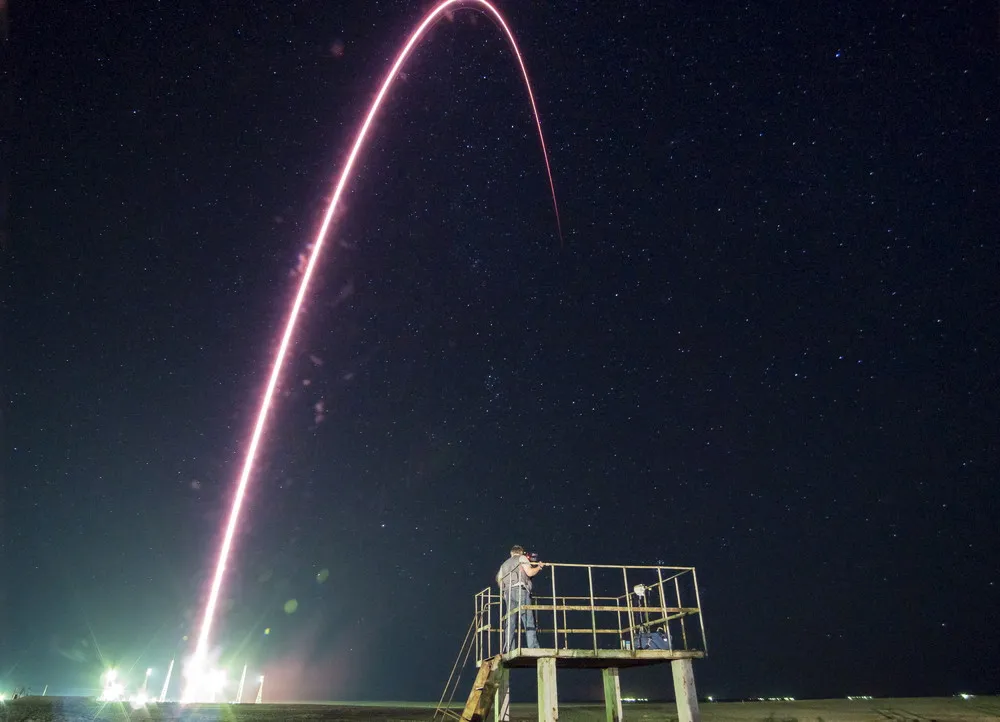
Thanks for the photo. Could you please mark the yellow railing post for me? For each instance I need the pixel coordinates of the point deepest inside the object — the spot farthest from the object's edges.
(684, 634)
(555, 614)
(593, 614)
(701, 617)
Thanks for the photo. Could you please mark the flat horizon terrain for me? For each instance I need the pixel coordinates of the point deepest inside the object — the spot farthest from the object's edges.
(920, 709)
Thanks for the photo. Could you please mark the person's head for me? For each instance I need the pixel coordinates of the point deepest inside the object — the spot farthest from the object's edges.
(517, 551)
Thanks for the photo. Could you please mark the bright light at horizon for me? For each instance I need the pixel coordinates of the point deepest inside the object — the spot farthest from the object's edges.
(114, 691)
(203, 684)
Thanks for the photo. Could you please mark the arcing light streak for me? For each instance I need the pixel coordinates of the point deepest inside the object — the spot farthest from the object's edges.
(201, 649)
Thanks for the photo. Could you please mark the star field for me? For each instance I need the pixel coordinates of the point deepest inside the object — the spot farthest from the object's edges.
(765, 345)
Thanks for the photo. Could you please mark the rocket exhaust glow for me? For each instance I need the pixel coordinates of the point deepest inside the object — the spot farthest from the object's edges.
(197, 671)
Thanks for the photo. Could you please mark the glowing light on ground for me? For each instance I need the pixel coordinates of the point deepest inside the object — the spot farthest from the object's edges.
(196, 681)
(203, 685)
(114, 691)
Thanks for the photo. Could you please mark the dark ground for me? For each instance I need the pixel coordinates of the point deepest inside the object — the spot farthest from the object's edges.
(945, 709)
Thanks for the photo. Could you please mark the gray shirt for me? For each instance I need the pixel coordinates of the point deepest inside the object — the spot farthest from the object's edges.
(512, 574)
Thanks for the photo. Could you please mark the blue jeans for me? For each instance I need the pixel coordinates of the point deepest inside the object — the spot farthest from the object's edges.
(519, 619)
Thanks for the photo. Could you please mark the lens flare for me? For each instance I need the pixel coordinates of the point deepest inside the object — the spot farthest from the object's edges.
(114, 691)
(199, 658)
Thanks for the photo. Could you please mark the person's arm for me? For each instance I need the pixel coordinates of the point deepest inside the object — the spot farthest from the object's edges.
(529, 568)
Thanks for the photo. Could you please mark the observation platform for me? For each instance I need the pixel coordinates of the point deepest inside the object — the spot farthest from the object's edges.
(606, 617)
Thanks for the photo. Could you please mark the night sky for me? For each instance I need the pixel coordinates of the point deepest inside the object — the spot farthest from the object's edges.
(767, 345)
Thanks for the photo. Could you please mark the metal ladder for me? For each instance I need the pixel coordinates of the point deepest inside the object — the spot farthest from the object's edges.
(484, 688)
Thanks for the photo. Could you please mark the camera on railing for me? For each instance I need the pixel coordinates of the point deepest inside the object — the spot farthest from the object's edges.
(533, 557)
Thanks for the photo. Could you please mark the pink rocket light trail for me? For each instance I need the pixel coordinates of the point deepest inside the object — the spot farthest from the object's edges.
(197, 671)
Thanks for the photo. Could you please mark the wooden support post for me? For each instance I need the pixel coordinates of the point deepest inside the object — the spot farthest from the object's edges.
(684, 691)
(501, 705)
(548, 694)
(612, 695)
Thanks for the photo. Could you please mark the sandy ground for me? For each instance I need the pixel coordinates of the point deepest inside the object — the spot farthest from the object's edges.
(73, 709)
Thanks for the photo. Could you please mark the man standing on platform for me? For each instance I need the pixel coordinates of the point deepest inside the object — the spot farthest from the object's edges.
(514, 579)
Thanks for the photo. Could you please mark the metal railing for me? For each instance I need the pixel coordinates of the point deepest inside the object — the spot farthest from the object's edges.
(595, 607)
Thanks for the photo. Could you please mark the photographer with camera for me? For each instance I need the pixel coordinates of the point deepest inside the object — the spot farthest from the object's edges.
(514, 579)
